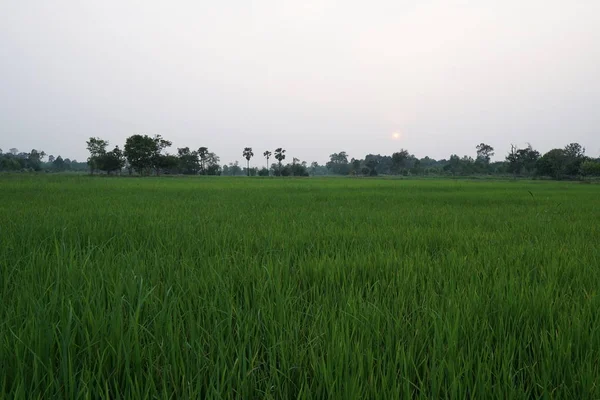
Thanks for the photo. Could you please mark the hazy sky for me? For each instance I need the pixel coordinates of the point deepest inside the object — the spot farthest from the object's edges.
(312, 76)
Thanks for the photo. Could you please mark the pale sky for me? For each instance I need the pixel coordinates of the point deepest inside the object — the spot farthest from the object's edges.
(312, 76)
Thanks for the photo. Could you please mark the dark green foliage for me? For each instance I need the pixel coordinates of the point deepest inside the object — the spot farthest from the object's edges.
(590, 168)
(144, 153)
(97, 149)
(263, 172)
(338, 164)
(561, 163)
(16, 161)
(484, 153)
(189, 161)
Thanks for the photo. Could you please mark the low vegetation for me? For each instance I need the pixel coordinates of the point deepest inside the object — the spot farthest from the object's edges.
(306, 288)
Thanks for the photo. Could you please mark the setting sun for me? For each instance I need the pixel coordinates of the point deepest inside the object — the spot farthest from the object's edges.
(396, 135)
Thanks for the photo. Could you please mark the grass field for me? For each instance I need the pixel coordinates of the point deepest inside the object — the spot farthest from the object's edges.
(298, 288)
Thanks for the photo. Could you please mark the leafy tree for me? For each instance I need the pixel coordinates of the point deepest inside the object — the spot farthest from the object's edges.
(97, 148)
(279, 156)
(144, 153)
(212, 164)
(112, 161)
(168, 163)
(58, 164)
(140, 151)
(560, 162)
(158, 159)
(263, 172)
(416, 169)
(460, 166)
(34, 159)
(522, 160)
(202, 155)
(234, 169)
(484, 153)
(574, 157)
(188, 161)
(355, 166)
(553, 163)
(51, 159)
(400, 161)
(590, 168)
(248, 154)
(372, 162)
(338, 163)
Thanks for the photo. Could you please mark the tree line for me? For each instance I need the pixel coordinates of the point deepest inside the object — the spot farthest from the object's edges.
(33, 161)
(569, 162)
(147, 155)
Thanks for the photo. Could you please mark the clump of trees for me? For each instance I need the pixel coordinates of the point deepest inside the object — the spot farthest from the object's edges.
(102, 160)
(33, 161)
(569, 162)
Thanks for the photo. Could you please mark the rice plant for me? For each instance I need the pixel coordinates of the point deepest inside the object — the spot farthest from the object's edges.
(310, 288)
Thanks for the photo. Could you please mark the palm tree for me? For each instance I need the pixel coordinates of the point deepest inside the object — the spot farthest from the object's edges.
(248, 154)
(280, 156)
(267, 154)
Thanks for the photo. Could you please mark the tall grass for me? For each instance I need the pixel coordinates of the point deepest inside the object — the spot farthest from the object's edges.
(267, 288)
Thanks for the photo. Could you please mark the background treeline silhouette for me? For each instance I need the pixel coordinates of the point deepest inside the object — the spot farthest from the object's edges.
(145, 155)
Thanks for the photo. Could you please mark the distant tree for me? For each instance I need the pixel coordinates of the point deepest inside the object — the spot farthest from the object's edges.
(562, 162)
(159, 160)
(14, 151)
(372, 162)
(112, 161)
(279, 156)
(51, 158)
(248, 154)
(460, 166)
(234, 169)
(188, 161)
(484, 153)
(263, 172)
(168, 163)
(267, 155)
(297, 169)
(574, 156)
(521, 161)
(140, 152)
(400, 161)
(97, 148)
(144, 153)
(58, 164)
(553, 164)
(314, 166)
(212, 164)
(338, 163)
(590, 168)
(34, 159)
(416, 168)
(202, 155)
(355, 166)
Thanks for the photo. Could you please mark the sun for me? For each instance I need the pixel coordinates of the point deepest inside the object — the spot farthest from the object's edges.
(396, 135)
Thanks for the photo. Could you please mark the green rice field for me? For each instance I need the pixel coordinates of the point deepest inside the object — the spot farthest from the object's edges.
(313, 288)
